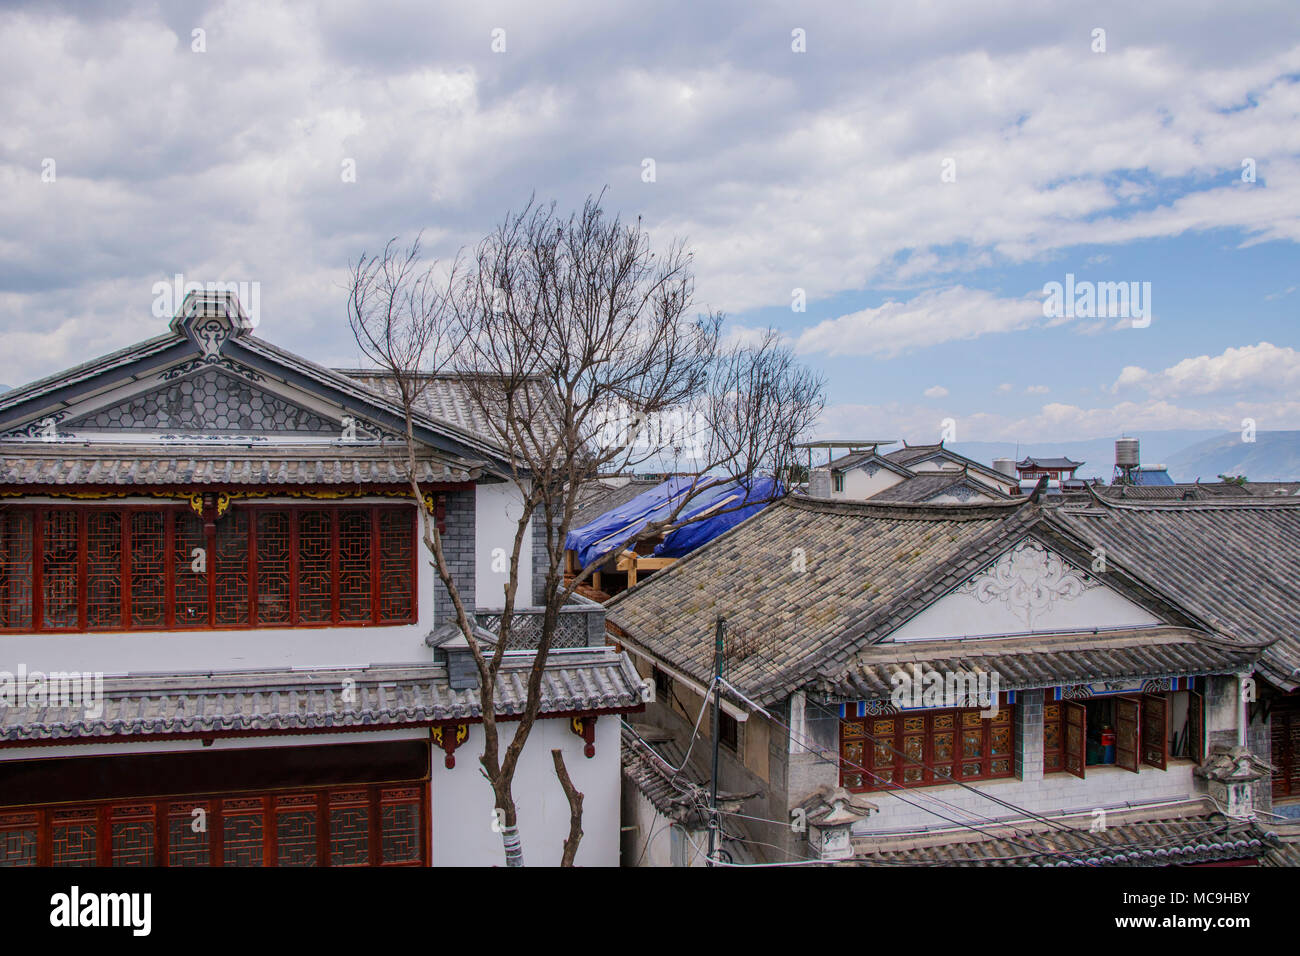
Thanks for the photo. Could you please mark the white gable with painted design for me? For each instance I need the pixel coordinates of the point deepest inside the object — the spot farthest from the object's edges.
(1028, 589)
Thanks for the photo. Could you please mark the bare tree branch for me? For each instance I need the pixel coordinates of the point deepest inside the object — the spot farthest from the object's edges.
(574, 340)
(574, 796)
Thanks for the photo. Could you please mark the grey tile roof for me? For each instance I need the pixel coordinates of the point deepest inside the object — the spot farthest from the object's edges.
(1196, 491)
(869, 567)
(599, 498)
(1021, 663)
(447, 399)
(594, 679)
(87, 370)
(1161, 839)
(650, 764)
(910, 453)
(1234, 563)
(39, 463)
(1032, 462)
(926, 486)
(39, 398)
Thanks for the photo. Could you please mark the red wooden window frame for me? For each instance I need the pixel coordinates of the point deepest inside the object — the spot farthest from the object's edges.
(1053, 736)
(48, 568)
(238, 829)
(1054, 758)
(879, 747)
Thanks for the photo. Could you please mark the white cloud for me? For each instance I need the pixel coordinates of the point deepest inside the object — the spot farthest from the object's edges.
(820, 171)
(928, 319)
(1056, 421)
(1261, 368)
(1037, 390)
(935, 391)
(1004, 388)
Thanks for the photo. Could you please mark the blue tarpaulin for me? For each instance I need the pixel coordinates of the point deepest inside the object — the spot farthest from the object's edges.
(723, 497)
(611, 531)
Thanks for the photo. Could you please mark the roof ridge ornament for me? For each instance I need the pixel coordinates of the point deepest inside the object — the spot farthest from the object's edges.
(210, 318)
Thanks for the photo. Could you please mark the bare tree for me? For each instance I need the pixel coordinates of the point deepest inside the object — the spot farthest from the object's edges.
(574, 341)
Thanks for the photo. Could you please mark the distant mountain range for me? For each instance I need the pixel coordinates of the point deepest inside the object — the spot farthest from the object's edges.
(1272, 456)
(1098, 454)
(1189, 454)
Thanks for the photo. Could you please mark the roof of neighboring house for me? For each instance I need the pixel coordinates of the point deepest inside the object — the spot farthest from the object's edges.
(910, 453)
(600, 497)
(1234, 563)
(1164, 837)
(923, 487)
(202, 340)
(858, 458)
(1032, 462)
(650, 760)
(1198, 491)
(448, 398)
(910, 456)
(870, 567)
(596, 679)
(38, 463)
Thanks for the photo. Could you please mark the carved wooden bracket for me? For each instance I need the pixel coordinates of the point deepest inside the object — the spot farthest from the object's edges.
(449, 737)
(437, 506)
(585, 727)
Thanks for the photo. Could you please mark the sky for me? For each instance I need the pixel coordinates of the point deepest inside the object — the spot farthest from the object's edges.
(895, 186)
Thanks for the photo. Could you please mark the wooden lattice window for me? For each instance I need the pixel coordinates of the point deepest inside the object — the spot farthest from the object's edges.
(396, 567)
(926, 748)
(316, 569)
(16, 570)
(58, 566)
(1053, 737)
(104, 568)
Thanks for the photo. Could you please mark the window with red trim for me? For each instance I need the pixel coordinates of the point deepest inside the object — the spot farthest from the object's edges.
(926, 748)
(76, 568)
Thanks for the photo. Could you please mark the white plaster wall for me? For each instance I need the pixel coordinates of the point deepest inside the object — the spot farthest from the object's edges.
(652, 827)
(935, 466)
(954, 500)
(462, 799)
(140, 652)
(497, 508)
(859, 486)
(959, 614)
(1106, 787)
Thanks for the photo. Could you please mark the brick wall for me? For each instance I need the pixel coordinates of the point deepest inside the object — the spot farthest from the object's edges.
(1029, 735)
(541, 560)
(458, 549)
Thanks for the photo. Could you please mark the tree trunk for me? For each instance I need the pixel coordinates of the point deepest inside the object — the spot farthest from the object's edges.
(575, 810)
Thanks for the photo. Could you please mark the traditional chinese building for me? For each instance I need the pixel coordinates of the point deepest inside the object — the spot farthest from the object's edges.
(1056, 469)
(1006, 682)
(918, 473)
(222, 643)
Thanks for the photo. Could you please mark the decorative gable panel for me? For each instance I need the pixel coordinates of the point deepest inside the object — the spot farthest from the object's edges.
(210, 401)
(1028, 589)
